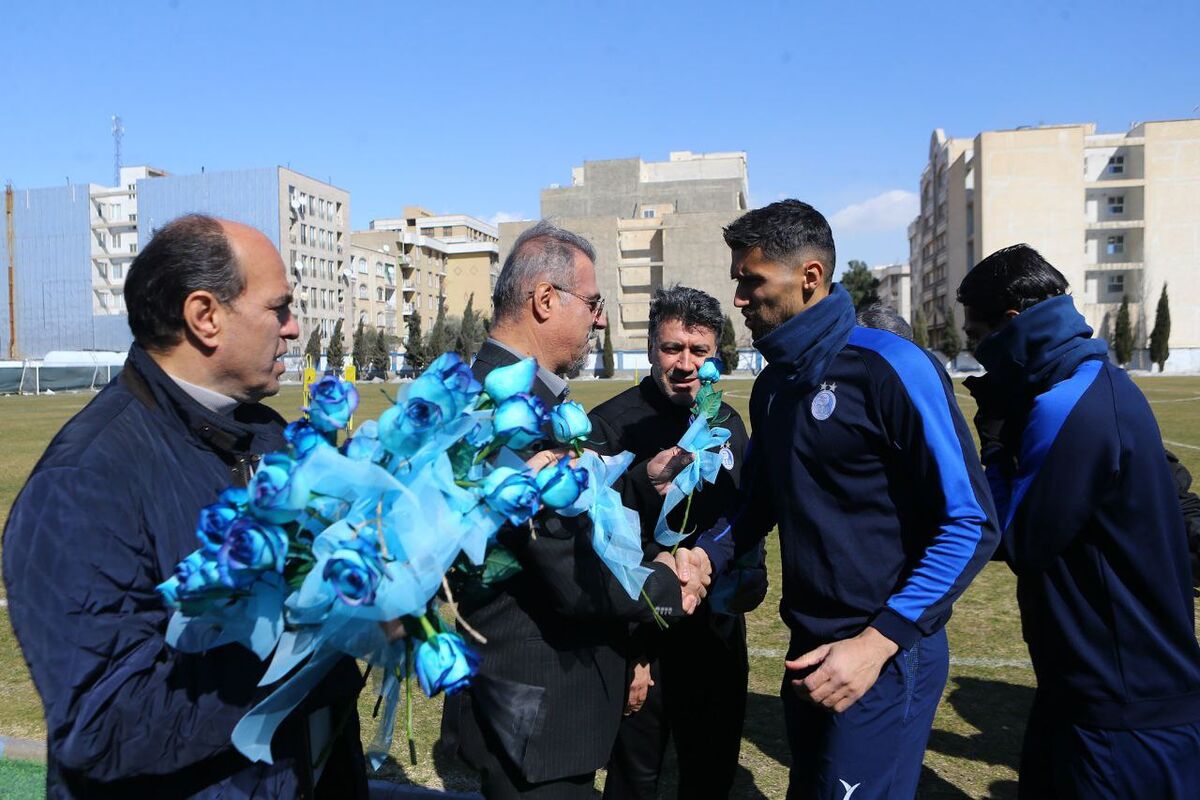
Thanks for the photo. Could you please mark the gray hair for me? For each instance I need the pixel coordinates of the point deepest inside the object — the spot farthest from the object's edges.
(691, 307)
(877, 315)
(545, 252)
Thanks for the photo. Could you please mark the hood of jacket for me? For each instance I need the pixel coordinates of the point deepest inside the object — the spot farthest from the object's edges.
(804, 346)
(1040, 346)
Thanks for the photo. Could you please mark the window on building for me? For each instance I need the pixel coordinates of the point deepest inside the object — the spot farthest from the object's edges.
(133, 247)
(1116, 165)
(1116, 283)
(379, 293)
(647, 213)
(379, 268)
(104, 299)
(447, 231)
(362, 266)
(1116, 204)
(303, 234)
(1116, 245)
(118, 272)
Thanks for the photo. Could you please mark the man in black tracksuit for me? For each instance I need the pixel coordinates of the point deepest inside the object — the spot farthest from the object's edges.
(671, 695)
(1094, 532)
(862, 458)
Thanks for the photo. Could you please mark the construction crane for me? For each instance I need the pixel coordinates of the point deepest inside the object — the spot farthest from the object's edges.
(118, 130)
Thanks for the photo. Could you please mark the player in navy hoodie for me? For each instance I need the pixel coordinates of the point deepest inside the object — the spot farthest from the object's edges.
(1094, 532)
(860, 455)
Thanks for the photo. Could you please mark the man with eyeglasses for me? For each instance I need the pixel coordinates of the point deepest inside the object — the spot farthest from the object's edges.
(542, 714)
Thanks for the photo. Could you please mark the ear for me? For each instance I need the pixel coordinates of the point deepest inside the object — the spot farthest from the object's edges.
(1011, 313)
(543, 297)
(204, 317)
(812, 276)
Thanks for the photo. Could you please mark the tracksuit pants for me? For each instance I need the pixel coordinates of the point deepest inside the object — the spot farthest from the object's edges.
(874, 749)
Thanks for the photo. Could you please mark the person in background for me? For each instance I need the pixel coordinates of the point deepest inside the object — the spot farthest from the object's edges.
(1093, 530)
(701, 710)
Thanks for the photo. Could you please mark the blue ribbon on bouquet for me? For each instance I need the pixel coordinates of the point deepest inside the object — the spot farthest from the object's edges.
(699, 440)
(616, 531)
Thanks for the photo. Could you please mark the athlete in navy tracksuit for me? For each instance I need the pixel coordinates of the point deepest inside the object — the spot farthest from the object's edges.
(861, 457)
(1094, 532)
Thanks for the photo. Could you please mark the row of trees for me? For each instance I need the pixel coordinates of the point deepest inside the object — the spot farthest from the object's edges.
(370, 350)
(1160, 334)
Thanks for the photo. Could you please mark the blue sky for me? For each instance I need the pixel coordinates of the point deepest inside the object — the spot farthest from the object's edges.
(474, 107)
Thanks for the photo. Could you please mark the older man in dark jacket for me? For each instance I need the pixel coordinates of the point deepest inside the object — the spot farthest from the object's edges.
(112, 507)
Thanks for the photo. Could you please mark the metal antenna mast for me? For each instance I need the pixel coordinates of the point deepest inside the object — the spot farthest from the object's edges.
(118, 130)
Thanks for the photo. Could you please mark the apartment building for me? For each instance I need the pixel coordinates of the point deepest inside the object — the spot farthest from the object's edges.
(895, 288)
(653, 224)
(1117, 213)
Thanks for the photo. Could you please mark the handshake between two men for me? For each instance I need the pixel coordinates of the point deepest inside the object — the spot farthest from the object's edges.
(690, 565)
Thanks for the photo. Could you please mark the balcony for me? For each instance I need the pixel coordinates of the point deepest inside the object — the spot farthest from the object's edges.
(1115, 224)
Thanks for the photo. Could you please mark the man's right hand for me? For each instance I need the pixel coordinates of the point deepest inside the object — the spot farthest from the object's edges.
(663, 468)
(695, 574)
(639, 687)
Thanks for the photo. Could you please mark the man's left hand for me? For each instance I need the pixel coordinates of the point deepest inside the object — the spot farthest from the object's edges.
(847, 669)
(695, 574)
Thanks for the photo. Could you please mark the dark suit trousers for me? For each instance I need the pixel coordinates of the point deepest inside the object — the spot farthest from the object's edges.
(699, 699)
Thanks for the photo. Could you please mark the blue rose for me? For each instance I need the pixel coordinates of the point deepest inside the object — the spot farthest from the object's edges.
(364, 444)
(214, 521)
(303, 437)
(354, 571)
(511, 493)
(519, 421)
(251, 547)
(504, 382)
(570, 423)
(560, 485)
(332, 404)
(279, 490)
(404, 428)
(447, 383)
(710, 372)
(445, 663)
(192, 576)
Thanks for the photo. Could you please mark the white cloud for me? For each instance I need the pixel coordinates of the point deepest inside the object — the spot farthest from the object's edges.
(884, 212)
(506, 216)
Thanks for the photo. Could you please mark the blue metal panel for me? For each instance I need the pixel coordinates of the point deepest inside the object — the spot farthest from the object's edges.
(52, 247)
(248, 196)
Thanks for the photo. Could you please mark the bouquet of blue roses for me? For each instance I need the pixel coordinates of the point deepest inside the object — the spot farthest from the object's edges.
(340, 545)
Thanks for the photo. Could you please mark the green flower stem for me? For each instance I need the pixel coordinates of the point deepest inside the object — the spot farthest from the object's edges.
(687, 509)
(427, 626)
(408, 705)
(662, 623)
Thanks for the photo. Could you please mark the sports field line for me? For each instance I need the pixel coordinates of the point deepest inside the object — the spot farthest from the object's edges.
(955, 661)
(1181, 444)
(1177, 400)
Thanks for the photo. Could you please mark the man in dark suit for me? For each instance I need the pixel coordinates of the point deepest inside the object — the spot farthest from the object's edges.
(541, 716)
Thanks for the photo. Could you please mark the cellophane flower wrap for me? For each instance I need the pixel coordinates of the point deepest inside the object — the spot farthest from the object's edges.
(342, 545)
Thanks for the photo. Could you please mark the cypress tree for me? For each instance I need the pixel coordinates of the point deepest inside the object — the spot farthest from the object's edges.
(379, 354)
(610, 362)
(1161, 334)
(336, 353)
(951, 340)
(313, 348)
(920, 328)
(358, 352)
(414, 348)
(1123, 334)
(727, 348)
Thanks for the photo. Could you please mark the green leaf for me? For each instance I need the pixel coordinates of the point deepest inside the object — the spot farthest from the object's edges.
(500, 565)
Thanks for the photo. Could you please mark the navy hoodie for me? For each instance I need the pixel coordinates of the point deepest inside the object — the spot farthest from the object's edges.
(860, 455)
(1092, 529)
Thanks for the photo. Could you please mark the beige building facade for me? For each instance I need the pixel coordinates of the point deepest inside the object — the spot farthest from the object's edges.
(421, 273)
(374, 289)
(653, 224)
(471, 248)
(895, 288)
(1117, 213)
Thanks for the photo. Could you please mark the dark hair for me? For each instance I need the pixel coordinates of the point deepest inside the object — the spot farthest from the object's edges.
(788, 231)
(691, 307)
(877, 315)
(544, 252)
(186, 255)
(1015, 278)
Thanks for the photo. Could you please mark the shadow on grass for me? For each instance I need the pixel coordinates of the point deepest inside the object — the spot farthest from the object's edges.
(997, 710)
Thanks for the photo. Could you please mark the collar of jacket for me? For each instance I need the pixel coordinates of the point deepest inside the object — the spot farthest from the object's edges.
(252, 428)
(804, 346)
(1040, 347)
(492, 356)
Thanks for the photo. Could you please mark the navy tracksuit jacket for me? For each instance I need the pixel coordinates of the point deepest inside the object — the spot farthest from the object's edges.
(1092, 529)
(860, 455)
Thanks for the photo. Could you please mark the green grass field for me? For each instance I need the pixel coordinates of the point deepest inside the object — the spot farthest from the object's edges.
(975, 743)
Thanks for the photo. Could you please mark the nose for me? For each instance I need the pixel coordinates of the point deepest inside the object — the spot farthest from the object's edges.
(291, 328)
(739, 300)
(687, 362)
(601, 321)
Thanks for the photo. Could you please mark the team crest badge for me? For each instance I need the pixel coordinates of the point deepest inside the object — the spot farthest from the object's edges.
(726, 457)
(825, 402)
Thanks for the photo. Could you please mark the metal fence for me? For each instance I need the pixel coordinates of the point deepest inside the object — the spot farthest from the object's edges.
(35, 378)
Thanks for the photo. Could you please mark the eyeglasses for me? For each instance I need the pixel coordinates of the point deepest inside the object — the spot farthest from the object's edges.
(594, 304)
